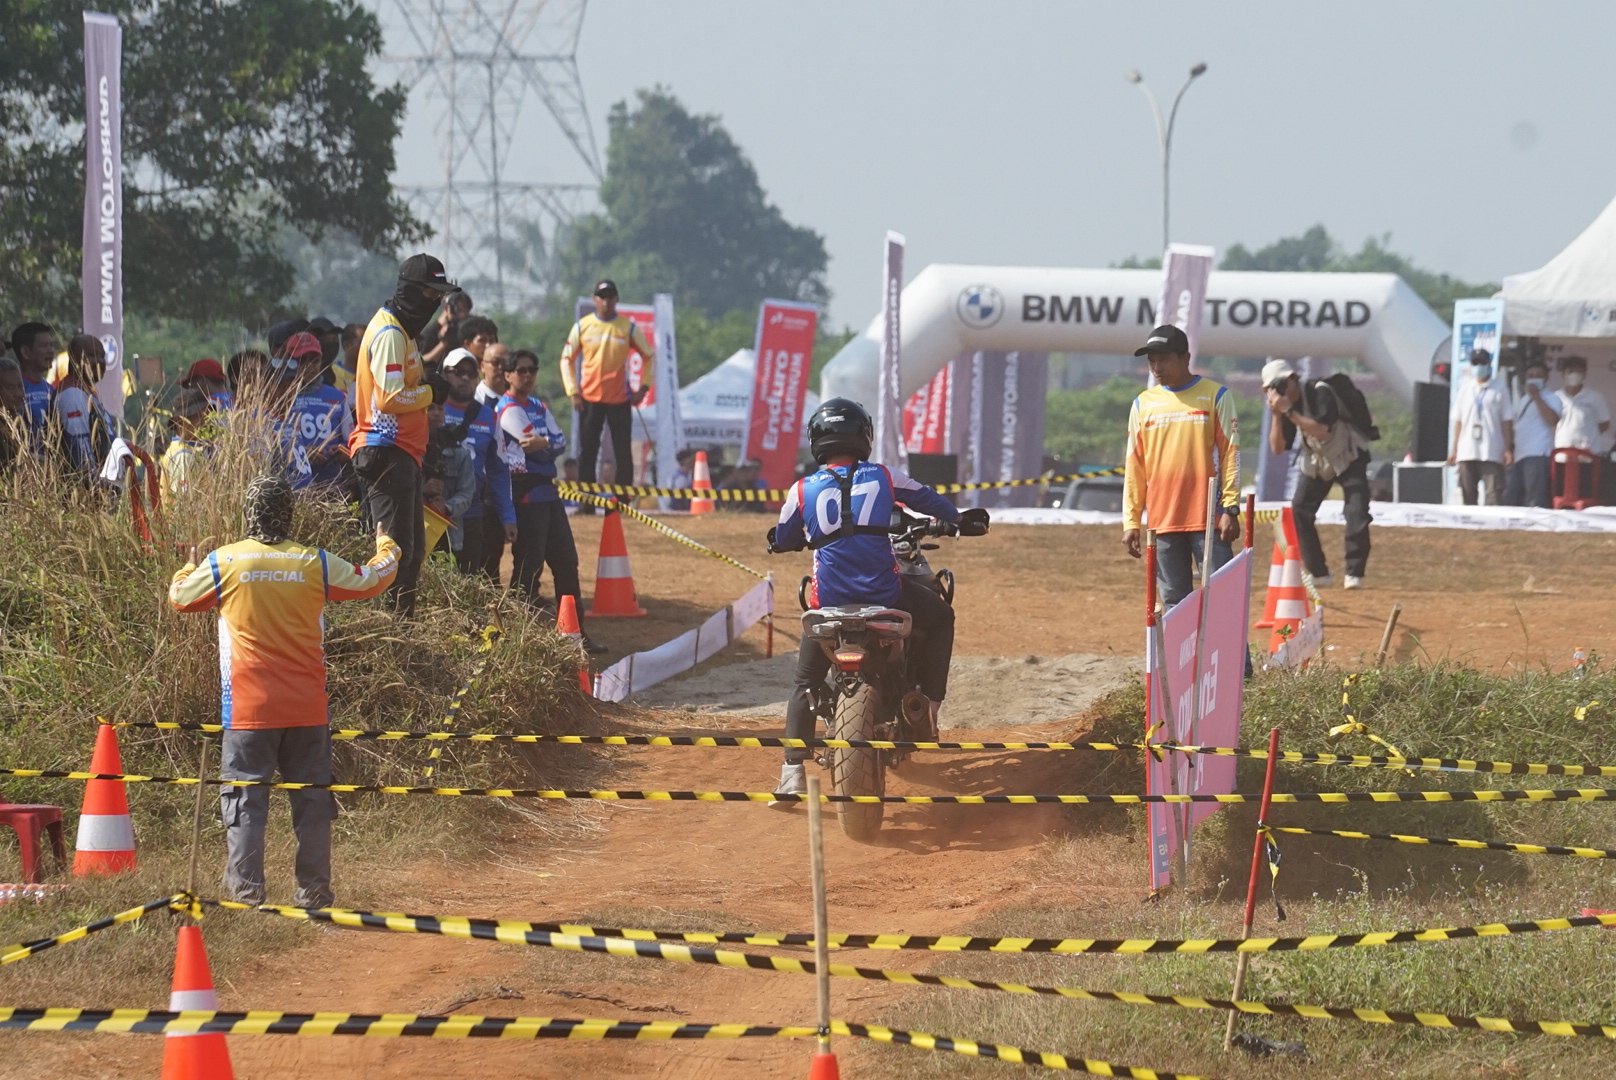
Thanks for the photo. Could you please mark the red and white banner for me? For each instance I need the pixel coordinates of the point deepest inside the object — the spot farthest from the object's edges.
(926, 415)
(644, 318)
(785, 352)
(1203, 649)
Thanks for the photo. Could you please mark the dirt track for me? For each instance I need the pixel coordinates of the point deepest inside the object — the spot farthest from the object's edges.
(1045, 592)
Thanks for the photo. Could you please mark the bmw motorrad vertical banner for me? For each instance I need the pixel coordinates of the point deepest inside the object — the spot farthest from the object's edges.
(785, 351)
(102, 269)
(889, 449)
(1005, 431)
(1185, 270)
(667, 381)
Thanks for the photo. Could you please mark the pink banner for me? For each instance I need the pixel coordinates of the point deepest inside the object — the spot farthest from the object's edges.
(925, 415)
(1217, 667)
(785, 351)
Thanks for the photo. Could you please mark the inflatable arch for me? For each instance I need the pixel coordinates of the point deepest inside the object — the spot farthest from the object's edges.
(949, 310)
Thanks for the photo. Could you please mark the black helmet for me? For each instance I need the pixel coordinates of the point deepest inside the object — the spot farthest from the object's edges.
(840, 426)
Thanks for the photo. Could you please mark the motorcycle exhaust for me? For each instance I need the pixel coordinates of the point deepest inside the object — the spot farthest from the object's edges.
(916, 710)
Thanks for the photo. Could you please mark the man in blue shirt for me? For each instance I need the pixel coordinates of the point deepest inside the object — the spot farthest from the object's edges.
(34, 346)
(317, 418)
(843, 512)
(491, 509)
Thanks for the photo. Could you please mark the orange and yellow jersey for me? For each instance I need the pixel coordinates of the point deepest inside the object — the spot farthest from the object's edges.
(1177, 440)
(271, 600)
(390, 395)
(594, 361)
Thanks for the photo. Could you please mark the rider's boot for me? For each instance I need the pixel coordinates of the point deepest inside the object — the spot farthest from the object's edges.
(793, 781)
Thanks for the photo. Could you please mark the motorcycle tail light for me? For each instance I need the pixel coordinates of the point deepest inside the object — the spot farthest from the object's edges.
(849, 659)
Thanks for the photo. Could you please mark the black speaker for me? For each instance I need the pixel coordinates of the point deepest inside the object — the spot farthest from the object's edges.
(934, 470)
(1430, 422)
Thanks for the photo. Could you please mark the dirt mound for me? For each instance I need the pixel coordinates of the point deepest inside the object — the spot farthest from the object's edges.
(982, 691)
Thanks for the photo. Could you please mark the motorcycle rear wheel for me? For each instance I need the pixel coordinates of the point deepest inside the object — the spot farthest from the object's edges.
(857, 771)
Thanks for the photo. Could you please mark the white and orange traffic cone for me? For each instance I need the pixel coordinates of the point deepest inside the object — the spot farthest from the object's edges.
(1291, 602)
(614, 578)
(106, 838)
(1276, 578)
(701, 480)
(823, 1067)
(194, 1055)
(567, 627)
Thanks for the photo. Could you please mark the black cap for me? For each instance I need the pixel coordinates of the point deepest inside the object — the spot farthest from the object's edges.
(322, 325)
(425, 270)
(1165, 339)
(605, 287)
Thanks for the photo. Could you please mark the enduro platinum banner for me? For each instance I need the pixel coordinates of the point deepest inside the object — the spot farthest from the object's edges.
(1185, 271)
(1003, 400)
(102, 268)
(666, 383)
(889, 449)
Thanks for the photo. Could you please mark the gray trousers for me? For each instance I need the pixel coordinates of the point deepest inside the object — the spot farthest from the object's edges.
(303, 756)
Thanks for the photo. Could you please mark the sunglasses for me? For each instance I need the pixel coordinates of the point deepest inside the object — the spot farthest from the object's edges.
(527, 371)
(279, 362)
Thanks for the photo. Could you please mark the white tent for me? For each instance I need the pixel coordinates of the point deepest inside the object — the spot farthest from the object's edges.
(716, 408)
(1573, 295)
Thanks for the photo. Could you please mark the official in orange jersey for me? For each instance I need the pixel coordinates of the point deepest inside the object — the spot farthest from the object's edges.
(271, 594)
(595, 371)
(390, 429)
(1181, 433)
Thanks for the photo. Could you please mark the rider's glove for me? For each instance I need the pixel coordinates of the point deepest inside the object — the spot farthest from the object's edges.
(775, 549)
(973, 522)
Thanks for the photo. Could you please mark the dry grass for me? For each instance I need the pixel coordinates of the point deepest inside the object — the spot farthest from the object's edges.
(86, 632)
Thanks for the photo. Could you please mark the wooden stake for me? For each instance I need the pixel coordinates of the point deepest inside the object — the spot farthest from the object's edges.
(1251, 886)
(1386, 638)
(196, 817)
(816, 853)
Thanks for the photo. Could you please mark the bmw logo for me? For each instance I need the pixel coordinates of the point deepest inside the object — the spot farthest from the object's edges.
(979, 306)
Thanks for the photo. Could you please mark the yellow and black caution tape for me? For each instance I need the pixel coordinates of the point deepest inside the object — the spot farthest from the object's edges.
(653, 523)
(1448, 841)
(687, 954)
(1380, 761)
(1351, 725)
(490, 635)
(571, 489)
(395, 1025)
(10, 954)
(515, 932)
(1329, 797)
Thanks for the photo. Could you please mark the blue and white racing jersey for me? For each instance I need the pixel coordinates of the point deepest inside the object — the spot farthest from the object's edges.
(853, 565)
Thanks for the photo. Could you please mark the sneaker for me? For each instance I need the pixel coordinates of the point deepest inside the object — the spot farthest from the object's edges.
(793, 781)
(1353, 582)
(1324, 581)
(594, 647)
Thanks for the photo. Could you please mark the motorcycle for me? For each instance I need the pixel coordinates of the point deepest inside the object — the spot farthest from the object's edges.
(872, 690)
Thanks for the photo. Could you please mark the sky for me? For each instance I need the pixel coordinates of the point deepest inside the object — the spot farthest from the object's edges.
(1475, 133)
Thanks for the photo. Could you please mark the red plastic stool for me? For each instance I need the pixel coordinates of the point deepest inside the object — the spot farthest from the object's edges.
(1566, 478)
(31, 819)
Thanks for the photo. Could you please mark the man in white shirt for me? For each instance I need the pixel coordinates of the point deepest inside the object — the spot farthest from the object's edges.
(1483, 433)
(1537, 413)
(1584, 415)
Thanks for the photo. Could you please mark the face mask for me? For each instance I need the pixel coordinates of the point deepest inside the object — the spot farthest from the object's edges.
(414, 307)
(1483, 372)
(1572, 378)
(1536, 383)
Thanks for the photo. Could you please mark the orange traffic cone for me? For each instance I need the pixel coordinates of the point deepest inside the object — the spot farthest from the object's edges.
(1276, 578)
(106, 839)
(1292, 604)
(567, 626)
(193, 1055)
(614, 578)
(702, 481)
(824, 1067)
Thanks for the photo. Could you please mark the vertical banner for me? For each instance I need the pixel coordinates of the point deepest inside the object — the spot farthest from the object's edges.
(889, 449)
(1172, 676)
(667, 379)
(1005, 434)
(1222, 670)
(1185, 269)
(926, 415)
(102, 269)
(785, 351)
(1477, 324)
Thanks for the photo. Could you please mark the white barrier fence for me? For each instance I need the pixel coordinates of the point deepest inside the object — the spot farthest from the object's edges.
(1598, 519)
(643, 670)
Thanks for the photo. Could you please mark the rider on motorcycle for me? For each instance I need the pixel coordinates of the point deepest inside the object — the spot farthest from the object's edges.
(842, 513)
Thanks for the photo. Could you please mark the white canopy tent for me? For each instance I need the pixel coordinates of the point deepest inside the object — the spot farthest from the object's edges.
(716, 408)
(1573, 295)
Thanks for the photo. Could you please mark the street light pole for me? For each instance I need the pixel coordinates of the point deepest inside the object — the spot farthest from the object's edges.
(1164, 131)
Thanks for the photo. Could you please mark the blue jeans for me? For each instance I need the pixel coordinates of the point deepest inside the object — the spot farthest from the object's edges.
(1527, 483)
(1175, 553)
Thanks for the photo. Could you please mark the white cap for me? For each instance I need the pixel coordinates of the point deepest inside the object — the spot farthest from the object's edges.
(455, 356)
(1276, 371)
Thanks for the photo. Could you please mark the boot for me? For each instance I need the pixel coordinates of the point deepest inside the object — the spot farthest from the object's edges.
(793, 781)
